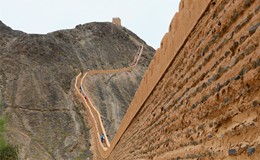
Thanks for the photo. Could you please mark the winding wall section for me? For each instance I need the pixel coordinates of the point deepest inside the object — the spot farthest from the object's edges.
(103, 148)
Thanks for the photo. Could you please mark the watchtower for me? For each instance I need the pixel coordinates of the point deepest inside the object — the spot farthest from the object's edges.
(116, 21)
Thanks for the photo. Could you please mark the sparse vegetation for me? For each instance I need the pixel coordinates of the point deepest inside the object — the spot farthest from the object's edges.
(7, 151)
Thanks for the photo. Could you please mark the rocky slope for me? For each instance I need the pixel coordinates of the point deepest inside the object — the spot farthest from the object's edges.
(112, 93)
(36, 74)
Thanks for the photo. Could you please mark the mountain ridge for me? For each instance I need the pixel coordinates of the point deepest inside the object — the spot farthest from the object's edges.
(36, 81)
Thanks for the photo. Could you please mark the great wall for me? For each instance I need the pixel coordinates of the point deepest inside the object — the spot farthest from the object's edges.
(92, 111)
(199, 98)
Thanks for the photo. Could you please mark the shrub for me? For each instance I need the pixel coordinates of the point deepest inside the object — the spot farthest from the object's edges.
(7, 151)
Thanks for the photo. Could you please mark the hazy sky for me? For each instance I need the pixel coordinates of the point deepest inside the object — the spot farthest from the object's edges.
(149, 19)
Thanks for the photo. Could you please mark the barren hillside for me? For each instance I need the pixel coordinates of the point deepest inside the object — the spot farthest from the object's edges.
(36, 74)
(112, 93)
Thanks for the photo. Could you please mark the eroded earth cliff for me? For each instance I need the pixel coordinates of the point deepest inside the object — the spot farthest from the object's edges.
(36, 78)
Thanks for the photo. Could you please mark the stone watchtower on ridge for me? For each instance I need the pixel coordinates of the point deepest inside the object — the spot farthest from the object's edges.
(116, 21)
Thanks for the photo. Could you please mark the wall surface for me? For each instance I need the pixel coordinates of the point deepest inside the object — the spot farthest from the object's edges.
(200, 97)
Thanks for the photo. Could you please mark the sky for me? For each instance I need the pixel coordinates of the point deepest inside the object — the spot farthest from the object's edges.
(149, 19)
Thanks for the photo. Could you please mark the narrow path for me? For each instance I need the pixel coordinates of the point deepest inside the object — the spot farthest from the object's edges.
(104, 147)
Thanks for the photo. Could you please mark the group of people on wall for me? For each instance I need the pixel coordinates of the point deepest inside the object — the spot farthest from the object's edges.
(84, 95)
